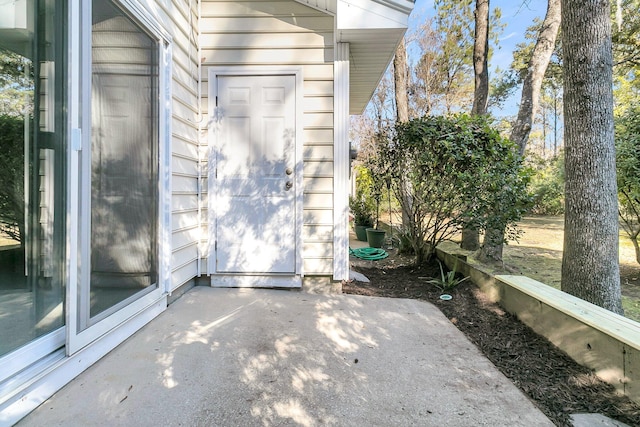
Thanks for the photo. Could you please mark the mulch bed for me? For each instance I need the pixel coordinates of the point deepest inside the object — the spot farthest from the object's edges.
(553, 381)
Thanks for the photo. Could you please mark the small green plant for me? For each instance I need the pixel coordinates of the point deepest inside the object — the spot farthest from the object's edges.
(446, 281)
(361, 212)
(361, 205)
(402, 240)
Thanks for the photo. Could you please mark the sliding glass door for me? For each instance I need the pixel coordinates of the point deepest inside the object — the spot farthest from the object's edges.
(124, 160)
(119, 167)
(32, 173)
(84, 195)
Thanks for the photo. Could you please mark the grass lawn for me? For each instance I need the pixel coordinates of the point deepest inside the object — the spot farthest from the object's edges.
(538, 254)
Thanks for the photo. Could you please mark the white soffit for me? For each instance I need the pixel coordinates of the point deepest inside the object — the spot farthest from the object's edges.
(371, 51)
(373, 29)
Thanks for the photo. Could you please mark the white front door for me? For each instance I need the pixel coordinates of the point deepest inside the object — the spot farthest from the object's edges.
(253, 175)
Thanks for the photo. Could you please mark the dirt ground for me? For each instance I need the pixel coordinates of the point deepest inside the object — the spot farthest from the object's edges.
(559, 386)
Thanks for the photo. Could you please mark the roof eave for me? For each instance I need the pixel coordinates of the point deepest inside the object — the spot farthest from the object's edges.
(373, 28)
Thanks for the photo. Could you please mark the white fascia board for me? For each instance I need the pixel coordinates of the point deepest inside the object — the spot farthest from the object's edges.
(372, 14)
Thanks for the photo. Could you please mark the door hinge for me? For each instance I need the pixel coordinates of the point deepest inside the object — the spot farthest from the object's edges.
(215, 246)
(216, 100)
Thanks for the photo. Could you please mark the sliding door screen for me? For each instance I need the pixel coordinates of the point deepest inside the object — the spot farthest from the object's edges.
(124, 160)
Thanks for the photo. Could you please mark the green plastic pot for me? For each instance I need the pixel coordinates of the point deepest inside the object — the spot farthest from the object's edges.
(375, 237)
(361, 232)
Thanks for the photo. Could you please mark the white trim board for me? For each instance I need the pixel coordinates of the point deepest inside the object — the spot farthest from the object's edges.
(246, 281)
(341, 163)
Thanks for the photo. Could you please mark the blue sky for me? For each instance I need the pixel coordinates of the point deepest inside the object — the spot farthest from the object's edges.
(517, 15)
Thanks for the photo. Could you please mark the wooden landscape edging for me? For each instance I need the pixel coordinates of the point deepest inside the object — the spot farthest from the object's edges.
(594, 337)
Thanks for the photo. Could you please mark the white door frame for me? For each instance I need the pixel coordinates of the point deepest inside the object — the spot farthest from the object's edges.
(79, 180)
(239, 280)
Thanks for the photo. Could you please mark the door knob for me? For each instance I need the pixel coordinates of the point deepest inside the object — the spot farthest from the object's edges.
(288, 185)
(288, 171)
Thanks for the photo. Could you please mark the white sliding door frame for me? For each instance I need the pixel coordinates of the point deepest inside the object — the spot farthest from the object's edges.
(79, 178)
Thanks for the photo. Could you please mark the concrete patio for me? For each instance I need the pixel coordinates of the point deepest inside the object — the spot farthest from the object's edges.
(229, 357)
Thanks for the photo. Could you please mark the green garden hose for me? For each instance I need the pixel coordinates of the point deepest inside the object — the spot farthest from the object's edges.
(370, 254)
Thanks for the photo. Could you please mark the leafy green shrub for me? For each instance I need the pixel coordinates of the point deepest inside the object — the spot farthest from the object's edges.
(547, 186)
(450, 171)
(12, 176)
(360, 210)
(628, 173)
(362, 205)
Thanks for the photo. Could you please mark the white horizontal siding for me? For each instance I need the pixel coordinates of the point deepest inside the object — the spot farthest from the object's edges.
(317, 249)
(254, 8)
(186, 146)
(317, 233)
(175, 18)
(185, 237)
(318, 216)
(184, 219)
(184, 184)
(275, 40)
(264, 56)
(182, 273)
(317, 169)
(267, 24)
(182, 164)
(181, 202)
(318, 152)
(318, 136)
(318, 120)
(318, 104)
(318, 201)
(286, 33)
(318, 266)
(318, 185)
(318, 88)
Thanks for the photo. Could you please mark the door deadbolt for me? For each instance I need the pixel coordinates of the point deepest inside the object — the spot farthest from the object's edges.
(288, 171)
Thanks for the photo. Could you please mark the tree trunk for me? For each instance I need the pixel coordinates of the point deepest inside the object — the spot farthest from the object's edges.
(529, 101)
(533, 80)
(480, 53)
(470, 236)
(492, 246)
(590, 268)
(636, 246)
(400, 83)
(470, 239)
(402, 103)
